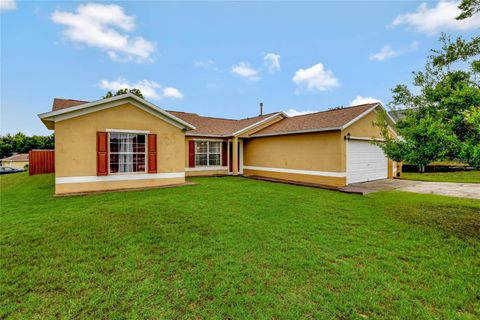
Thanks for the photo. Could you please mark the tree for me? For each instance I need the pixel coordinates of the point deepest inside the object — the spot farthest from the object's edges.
(134, 91)
(442, 119)
(469, 8)
(21, 143)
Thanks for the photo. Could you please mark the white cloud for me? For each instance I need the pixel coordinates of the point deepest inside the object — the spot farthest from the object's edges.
(104, 26)
(150, 89)
(171, 92)
(315, 78)
(363, 100)
(388, 52)
(244, 70)
(385, 53)
(272, 61)
(6, 5)
(437, 18)
(293, 112)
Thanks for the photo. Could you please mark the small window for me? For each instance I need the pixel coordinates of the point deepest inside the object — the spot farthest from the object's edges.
(127, 152)
(208, 153)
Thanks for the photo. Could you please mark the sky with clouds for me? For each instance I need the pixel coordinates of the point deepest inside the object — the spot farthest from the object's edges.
(214, 58)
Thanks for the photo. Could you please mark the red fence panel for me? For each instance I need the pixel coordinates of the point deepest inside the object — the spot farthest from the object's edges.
(41, 161)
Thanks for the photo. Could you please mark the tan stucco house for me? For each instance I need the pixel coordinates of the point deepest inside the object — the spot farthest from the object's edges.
(17, 161)
(126, 142)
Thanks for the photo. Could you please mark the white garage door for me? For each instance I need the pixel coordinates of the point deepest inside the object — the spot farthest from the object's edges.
(365, 162)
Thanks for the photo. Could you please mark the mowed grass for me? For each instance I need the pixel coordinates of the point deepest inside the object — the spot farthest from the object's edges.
(233, 248)
(459, 176)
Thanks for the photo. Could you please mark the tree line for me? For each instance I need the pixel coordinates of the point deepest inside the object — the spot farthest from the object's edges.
(21, 143)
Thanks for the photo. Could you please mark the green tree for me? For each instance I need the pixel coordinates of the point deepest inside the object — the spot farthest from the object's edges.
(469, 8)
(21, 143)
(134, 91)
(442, 118)
(109, 94)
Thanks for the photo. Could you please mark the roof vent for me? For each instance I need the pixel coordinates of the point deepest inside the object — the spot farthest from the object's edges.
(261, 108)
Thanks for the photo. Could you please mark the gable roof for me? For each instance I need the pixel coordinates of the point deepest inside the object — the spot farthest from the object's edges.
(20, 157)
(210, 126)
(335, 119)
(59, 104)
(66, 108)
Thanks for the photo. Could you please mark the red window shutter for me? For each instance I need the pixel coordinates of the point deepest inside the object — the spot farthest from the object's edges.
(191, 154)
(224, 153)
(152, 153)
(102, 153)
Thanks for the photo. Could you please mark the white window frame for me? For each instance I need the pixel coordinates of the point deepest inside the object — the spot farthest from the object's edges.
(138, 132)
(208, 153)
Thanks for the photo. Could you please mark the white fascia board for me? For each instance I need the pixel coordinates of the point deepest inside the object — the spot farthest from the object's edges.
(257, 123)
(67, 113)
(295, 132)
(363, 114)
(360, 116)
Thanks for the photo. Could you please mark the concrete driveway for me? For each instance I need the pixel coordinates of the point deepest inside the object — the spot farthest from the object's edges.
(452, 189)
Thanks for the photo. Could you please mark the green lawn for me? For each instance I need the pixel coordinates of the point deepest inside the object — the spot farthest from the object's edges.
(459, 176)
(233, 248)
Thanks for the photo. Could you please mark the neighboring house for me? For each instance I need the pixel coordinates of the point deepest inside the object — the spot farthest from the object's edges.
(17, 161)
(399, 114)
(126, 142)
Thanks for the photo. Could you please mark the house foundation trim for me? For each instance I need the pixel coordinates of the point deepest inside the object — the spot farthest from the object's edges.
(295, 171)
(119, 177)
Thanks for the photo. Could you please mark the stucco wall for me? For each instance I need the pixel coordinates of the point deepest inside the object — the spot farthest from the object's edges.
(319, 152)
(261, 126)
(365, 128)
(309, 151)
(75, 143)
(14, 164)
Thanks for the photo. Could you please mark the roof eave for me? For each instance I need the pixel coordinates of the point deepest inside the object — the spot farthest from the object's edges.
(52, 114)
(243, 130)
(296, 132)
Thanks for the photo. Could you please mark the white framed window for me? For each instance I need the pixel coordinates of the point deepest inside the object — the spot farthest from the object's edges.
(208, 153)
(127, 152)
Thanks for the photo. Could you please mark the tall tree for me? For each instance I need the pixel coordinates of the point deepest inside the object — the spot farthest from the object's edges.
(442, 118)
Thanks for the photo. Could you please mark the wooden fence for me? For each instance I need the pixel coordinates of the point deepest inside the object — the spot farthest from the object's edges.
(41, 161)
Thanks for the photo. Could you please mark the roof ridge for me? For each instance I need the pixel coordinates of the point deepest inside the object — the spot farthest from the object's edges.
(71, 100)
(339, 109)
(261, 115)
(202, 116)
(219, 118)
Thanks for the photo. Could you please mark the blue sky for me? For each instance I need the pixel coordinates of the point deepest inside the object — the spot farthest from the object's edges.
(214, 58)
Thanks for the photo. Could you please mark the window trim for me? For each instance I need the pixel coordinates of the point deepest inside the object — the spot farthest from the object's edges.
(220, 153)
(139, 132)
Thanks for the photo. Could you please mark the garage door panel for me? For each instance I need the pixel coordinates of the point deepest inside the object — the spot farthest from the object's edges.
(365, 162)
